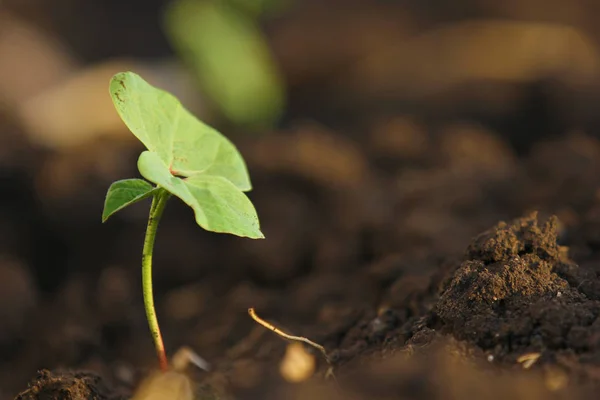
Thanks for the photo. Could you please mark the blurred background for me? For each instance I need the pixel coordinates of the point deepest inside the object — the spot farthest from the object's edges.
(380, 135)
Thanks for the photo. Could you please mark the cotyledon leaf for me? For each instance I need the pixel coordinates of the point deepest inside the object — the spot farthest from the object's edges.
(218, 205)
(124, 193)
(183, 143)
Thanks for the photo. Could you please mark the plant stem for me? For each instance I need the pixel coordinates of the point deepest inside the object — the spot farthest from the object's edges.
(159, 201)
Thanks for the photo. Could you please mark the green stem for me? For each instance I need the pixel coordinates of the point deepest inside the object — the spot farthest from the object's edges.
(159, 201)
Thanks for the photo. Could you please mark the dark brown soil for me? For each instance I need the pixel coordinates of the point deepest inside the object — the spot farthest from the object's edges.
(388, 295)
(67, 386)
(518, 292)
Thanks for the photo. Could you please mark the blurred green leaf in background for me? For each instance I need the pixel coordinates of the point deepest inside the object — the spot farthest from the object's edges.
(259, 8)
(228, 54)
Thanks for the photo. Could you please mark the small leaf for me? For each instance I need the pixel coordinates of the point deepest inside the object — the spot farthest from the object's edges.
(124, 193)
(218, 205)
(184, 144)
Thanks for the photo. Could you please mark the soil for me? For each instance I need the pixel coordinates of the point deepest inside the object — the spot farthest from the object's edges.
(433, 254)
(400, 283)
(68, 386)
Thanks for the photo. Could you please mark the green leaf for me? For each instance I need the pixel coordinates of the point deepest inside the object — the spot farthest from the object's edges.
(124, 193)
(230, 57)
(183, 143)
(258, 8)
(218, 205)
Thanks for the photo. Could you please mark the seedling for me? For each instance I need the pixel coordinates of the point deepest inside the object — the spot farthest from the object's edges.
(184, 158)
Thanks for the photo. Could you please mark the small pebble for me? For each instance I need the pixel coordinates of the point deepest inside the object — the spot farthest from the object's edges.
(297, 365)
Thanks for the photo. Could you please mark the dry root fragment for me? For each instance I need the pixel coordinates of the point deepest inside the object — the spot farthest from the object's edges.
(287, 335)
(295, 366)
(528, 359)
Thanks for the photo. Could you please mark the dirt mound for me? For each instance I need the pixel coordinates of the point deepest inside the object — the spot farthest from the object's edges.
(511, 296)
(68, 386)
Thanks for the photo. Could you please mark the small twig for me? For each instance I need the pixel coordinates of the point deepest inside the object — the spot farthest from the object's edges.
(288, 336)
